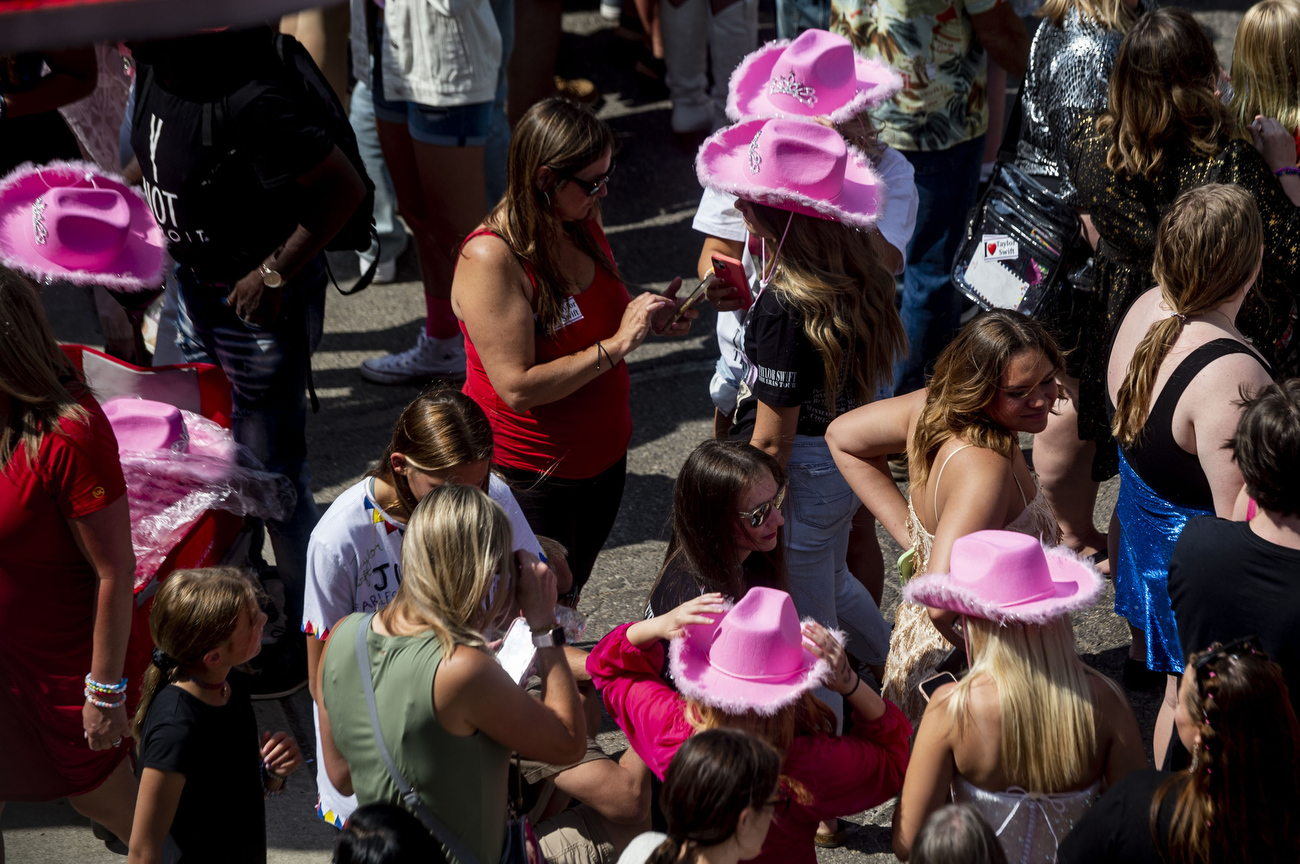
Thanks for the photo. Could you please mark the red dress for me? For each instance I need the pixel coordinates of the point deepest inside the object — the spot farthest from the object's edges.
(47, 604)
(844, 774)
(587, 431)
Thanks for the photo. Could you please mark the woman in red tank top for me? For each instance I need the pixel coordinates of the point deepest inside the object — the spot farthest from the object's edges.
(547, 324)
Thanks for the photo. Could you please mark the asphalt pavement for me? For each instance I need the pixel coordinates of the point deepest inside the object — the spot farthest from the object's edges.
(652, 199)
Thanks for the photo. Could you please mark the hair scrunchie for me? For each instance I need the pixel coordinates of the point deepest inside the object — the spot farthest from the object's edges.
(163, 661)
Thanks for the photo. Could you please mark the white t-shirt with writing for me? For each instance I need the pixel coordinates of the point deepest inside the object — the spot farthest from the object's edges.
(717, 216)
(354, 565)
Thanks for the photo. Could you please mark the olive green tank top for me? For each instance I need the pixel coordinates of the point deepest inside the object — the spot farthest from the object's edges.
(463, 780)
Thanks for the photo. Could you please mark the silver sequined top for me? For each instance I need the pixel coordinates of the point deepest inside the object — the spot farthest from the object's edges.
(1068, 76)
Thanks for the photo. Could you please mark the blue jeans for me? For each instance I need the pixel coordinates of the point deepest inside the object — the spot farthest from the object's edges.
(498, 137)
(267, 369)
(392, 236)
(818, 520)
(795, 16)
(946, 181)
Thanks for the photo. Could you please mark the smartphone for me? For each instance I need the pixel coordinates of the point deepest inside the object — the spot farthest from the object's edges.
(906, 564)
(517, 652)
(731, 272)
(929, 685)
(691, 299)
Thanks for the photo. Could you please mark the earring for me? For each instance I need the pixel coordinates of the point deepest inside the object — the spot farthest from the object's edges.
(547, 196)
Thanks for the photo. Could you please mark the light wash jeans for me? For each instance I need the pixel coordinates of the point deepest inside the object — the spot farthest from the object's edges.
(392, 235)
(267, 369)
(818, 520)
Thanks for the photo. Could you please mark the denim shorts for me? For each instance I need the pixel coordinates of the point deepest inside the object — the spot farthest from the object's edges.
(448, 126)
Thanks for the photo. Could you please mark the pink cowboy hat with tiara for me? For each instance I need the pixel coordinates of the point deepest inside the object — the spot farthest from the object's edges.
(752, 658)
(1008, 576)
(71, 222)
(793, 165)
(816, 75)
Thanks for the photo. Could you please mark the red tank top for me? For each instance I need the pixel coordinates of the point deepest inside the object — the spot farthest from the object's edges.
(587, 431)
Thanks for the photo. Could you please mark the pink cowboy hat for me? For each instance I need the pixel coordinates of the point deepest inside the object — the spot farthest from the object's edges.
(182, 447)
(752, 658)
(69, 221)
(1009, 576)
(816, 75)
(793, 165)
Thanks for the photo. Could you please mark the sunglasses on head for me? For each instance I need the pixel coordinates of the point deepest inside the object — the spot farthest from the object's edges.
(1217, 651)
(758, 515)
(590, 187)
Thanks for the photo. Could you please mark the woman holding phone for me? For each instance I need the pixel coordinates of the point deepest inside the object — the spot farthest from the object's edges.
(548, 324)
(820, 339)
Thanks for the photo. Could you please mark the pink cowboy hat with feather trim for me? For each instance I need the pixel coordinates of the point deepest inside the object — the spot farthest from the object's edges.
(71, 222)
(1008, 576)
(752, 658)
(793, 165)
(816, 75)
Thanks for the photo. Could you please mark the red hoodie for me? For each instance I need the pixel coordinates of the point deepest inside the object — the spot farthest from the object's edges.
(845, 774)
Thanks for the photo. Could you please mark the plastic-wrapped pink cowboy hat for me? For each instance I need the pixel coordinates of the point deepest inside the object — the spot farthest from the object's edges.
(1009, 576)
(69, 221)
(816, 75)
(752, 658)
(793, 165)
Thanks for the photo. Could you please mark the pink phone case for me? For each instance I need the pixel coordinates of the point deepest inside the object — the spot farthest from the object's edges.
(731, 272)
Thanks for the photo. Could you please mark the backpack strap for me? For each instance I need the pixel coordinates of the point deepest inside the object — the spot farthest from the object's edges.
(409, 796)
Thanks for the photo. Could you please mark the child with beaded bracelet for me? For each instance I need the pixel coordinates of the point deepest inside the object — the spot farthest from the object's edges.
(199, 750)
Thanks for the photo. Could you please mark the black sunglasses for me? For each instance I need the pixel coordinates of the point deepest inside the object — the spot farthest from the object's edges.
(780, 805)
(590, 187)
(758, 515)
(1217, 651)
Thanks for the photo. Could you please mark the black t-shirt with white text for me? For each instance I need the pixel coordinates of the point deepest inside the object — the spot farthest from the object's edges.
(224, 208)
(222, 815)
(786, 370)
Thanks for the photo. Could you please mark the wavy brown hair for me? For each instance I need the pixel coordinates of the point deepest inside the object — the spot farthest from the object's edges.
(965, 383)
(1162, 95)
(830, 273)
(1266, 64)
(42, 386)
(1111, 14)
(1207, 247)
(566, 137)
(441, 429)
(1237, 801)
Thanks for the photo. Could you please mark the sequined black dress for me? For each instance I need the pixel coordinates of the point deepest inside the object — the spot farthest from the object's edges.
(1126, 212)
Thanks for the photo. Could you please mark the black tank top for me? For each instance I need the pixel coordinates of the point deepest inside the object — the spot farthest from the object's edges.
(1172, 472)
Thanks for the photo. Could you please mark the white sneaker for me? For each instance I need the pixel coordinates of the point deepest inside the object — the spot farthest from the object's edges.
(385, 273)
(430, 358)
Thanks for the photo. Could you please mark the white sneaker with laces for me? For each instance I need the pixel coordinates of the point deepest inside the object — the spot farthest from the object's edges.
(430, 358)
(385, 273)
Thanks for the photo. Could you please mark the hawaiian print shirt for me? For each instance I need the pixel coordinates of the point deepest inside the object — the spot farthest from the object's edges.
(932, 45)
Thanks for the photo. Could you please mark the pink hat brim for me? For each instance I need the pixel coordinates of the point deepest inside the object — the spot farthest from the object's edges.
(698, 680)
(138, 267)
(722, 163)
(748, 96)
(1077, 586)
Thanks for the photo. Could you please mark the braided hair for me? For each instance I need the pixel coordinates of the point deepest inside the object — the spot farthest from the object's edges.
(1237, 800)
(712, 779)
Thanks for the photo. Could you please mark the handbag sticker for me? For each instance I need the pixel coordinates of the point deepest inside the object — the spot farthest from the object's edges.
(1000, 247)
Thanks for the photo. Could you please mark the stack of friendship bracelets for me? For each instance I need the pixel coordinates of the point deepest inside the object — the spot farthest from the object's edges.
(105, 695)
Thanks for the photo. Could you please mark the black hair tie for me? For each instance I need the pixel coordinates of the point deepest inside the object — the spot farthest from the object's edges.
(163, 661)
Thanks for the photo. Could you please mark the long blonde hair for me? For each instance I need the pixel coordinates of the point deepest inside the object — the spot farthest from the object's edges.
(1111, 14)
(1266, 64)
(193, 612)
(457, 566)
(1162, 94)
(1045, 700)
(564, 136)
(41, 384)
(1206, 249)
(829, 272)
(965, 383)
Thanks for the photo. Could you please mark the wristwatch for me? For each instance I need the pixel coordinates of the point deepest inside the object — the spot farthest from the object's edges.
(270, 278)
(549, 639)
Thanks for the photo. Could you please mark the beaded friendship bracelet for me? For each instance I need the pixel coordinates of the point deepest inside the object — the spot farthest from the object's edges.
(93, 698)
(109, 689)
(1290, 169)
(273, 793)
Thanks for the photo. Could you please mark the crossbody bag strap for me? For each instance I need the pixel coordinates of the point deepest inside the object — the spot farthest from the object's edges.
(409, 796)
